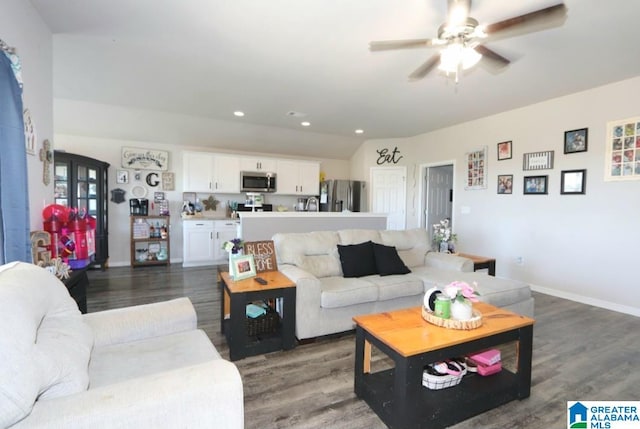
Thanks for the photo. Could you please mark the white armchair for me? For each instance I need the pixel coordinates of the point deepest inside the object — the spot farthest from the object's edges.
(138, 367)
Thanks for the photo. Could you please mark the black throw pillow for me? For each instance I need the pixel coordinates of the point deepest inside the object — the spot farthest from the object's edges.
(357, 259)
(388, 261)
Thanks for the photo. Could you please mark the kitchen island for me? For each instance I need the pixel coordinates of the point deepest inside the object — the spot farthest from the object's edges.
(257, 226)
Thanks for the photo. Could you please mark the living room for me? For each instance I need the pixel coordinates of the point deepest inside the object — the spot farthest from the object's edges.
(578, 247)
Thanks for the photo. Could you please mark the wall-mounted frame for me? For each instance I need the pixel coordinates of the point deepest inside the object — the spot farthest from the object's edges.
(576, 140)
(537, 160)
(573, 182)
(622, 155)
(504, 151)
(145, 159)
(243, 266)
(168, 183)
(536, 185)
(158, 197)
(505, 184)
(122, 176)
(476, 169)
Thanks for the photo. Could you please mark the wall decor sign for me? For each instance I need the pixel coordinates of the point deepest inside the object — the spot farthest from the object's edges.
(622, 155)
(476, 169)
(576, 140)
(504, 150)
(384, 157)
(30, 136)
(264, 254)
(505, 184)
(122, 176)
(573, 182)
(145, 159)
(535, 185)
(168, 182)
(537, 160)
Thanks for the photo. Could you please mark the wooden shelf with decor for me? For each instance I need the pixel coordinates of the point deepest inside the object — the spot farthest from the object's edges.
(150, 240)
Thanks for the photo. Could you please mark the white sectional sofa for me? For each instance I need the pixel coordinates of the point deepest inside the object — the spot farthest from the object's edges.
(146, 366)
(326, 300)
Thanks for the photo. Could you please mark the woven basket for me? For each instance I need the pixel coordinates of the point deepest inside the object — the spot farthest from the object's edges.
(473, 323)
(266, 324)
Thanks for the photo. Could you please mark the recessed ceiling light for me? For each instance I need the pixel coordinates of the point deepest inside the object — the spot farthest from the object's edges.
(359, 131)
(305, 123)
(238, 113)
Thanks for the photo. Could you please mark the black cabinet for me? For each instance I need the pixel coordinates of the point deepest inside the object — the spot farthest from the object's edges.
(82, 183)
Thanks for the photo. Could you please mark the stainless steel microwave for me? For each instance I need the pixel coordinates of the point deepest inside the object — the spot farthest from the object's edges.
(252, 181)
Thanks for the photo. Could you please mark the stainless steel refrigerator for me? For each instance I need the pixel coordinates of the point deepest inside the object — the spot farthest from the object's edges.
(343, 195)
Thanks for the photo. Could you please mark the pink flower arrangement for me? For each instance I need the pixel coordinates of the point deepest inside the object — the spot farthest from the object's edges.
(459, 291)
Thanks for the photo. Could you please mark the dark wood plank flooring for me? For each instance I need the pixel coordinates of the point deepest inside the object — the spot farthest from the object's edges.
(580, 353)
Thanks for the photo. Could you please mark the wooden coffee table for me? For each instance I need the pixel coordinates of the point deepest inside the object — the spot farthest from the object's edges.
(237, 294)
(397, 395)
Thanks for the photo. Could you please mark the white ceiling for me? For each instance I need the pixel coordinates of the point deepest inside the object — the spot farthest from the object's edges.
(208, 58)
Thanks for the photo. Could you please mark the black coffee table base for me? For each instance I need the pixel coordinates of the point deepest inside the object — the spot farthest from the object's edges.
(399, 399)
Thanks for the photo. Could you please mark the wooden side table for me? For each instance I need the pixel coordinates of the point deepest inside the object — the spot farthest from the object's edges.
(235, 297)
(481, 262)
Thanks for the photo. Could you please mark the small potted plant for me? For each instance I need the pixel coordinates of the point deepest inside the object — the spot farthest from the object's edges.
(462, 296)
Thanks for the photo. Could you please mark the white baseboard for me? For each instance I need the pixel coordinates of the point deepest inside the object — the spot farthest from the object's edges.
(634, 311)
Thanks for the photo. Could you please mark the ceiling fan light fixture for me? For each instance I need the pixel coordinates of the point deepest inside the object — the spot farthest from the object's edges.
(456, 56)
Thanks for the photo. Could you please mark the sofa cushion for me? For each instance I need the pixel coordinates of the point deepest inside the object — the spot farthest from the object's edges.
(396, 286)
(47, 351)
(357, 260)
(412, 244)
(387, 260)
(493, 290)
(120, 362)
(314, 252)
(341, 292)
(355, 236)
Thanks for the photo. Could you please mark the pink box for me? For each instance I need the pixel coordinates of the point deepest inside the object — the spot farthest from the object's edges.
(485, 370)
(487, 357)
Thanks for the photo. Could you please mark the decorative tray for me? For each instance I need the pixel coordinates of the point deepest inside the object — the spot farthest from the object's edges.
(473, 323)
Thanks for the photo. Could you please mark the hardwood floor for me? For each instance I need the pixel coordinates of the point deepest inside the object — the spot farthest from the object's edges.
(580, 353)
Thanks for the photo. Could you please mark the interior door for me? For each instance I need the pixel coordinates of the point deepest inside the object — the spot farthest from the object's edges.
(439, 204)
(389, 194)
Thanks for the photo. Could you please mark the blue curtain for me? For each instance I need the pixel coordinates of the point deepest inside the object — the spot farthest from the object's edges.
(14, 192)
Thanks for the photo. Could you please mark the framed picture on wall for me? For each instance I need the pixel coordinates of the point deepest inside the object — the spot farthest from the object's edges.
(504, 150)
(622, 155)
(122, 176)
(573, 182)
(576, 140)
(505, 184)
(476, 169)
(535, 185)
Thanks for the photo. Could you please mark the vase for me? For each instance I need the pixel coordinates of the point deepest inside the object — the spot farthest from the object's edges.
(444, 247)
(461, 310)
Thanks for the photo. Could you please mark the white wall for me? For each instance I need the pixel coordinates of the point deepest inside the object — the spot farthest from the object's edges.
(583, 247)
(22, 28)
(109, 150)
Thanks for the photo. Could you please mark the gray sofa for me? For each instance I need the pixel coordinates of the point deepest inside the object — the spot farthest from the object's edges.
(146, 366)
(326, 301)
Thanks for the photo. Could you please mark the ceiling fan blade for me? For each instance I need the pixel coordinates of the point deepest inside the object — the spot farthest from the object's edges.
(531, 18)
(425, 68)
(383, 45)
(457, 12)
(492, 55)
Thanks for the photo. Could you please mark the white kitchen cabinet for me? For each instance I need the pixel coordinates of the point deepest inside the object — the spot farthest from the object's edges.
(266, 165)
(211, 172)
(298, 177)
(225, 230)
(198, 243)
(226, 174)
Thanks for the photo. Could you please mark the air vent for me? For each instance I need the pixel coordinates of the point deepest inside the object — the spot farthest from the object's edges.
(296, 114)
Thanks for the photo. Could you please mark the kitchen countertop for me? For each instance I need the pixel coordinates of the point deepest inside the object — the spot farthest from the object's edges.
(309, 214)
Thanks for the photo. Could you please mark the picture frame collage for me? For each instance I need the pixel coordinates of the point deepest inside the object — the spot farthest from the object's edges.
(572, 182)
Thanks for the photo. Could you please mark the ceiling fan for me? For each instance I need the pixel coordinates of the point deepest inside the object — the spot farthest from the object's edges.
(461, 38)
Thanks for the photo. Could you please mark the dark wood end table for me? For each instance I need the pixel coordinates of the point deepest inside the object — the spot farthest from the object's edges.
(397, 395)
(481, 262)
(235, 297)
